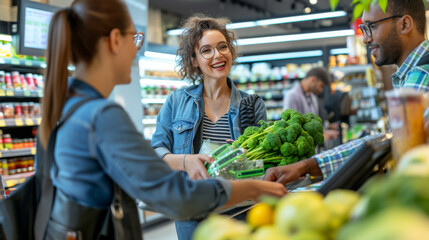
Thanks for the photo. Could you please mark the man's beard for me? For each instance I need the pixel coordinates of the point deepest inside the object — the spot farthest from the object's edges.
(389, 50)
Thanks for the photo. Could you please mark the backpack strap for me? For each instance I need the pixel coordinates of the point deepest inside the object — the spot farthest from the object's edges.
(44, 162)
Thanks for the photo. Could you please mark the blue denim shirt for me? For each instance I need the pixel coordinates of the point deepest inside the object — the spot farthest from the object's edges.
(179, 123)
(99, 145)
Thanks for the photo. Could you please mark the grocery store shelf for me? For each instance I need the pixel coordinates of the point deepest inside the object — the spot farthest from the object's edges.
(17, 152)
(18, 122)
(269, 96)
(351, 68)
(22, 62)
(13, 180)
(21, 93)
(274, 106)
(153, 100)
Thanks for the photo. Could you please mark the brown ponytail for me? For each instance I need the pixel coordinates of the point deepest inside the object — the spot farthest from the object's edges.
(74, 34)
(57, 59)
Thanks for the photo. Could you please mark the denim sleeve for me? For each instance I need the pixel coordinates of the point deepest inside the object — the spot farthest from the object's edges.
(162, 139)
(134, 166)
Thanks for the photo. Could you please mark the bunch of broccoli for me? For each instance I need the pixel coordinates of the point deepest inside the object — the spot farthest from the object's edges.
(293, 138)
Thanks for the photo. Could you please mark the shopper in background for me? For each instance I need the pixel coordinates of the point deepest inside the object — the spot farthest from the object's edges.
(99, 145)
(302, 97)
(396, 36)
(209, 109)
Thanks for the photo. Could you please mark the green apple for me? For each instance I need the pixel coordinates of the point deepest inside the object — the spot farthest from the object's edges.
(340, 204)
(268, 233)
(218, 227)
(415, 162)
(301, 212)
(395, 223)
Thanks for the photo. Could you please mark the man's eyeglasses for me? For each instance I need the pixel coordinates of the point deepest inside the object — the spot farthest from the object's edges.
(367, 27)
(207, 52)
(138, 40)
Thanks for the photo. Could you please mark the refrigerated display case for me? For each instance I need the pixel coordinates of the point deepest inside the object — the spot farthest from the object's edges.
(157, 80)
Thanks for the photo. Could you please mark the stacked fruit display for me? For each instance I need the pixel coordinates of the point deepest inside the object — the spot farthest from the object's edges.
(393, 207)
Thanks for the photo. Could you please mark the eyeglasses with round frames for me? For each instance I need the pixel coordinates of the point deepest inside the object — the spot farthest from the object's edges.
(367, 27)
(208, 52)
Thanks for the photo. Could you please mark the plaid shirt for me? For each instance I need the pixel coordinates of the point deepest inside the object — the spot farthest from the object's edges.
(407, 76)
(2, 195)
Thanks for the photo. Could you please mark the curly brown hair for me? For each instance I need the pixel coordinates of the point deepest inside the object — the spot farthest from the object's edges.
(194, 27)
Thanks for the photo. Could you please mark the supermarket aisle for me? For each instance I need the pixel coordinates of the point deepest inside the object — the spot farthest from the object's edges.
(164, 232)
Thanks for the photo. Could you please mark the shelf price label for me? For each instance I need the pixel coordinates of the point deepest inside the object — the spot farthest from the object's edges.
(28, 63)
(39, 120)
(19, 122)
(268, 95)
(10, 93)
(2, 123)
(11, 183)
(33, 151)
(15, 61)
(2, 61)
(27, 93)
(29, 122)
(2, 93)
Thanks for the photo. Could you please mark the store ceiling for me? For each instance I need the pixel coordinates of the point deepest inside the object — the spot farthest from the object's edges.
(246, 10)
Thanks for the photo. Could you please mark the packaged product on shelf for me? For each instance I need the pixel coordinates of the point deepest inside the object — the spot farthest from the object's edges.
(1, 141)
(36, 110)
(12, 166)
(8, 81)
(30, 81)
(24, 108)
(2, 81)
(16, 80)
(18, 110)
(8, 110)
(30, 109)
(7, 141)
(5, 167)
(24, 84)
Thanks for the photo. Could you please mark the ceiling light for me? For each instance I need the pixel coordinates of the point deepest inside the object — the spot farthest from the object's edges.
(338, 51)
(279, 56)
(314, 2)
(301, 18)
(272, 21)
(295, 37)
(307, 10)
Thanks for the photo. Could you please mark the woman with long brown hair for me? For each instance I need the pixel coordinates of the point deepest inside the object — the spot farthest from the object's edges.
(98, 146)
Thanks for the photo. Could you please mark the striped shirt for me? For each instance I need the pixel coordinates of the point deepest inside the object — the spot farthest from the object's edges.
(217, 132)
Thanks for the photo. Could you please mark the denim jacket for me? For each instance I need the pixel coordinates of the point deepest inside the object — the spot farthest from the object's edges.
(179, 123)
(99, 145)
